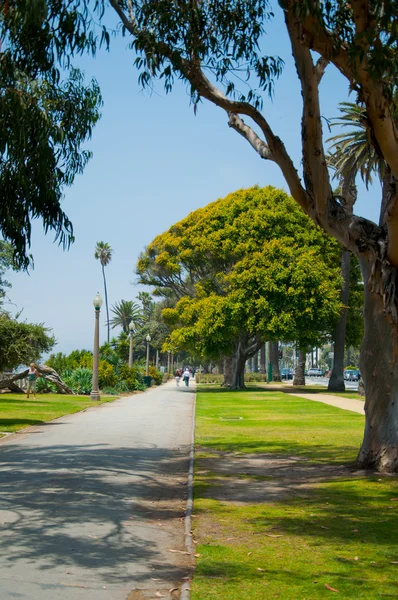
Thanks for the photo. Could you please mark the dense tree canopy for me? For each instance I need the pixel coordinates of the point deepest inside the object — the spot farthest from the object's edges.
(22, 343)
(246, 268)
(46, 114)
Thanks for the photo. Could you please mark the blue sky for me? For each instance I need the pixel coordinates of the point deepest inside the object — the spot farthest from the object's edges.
(154, 162)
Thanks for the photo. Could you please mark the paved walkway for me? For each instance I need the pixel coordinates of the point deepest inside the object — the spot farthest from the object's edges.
(91, 504)
(351, 404)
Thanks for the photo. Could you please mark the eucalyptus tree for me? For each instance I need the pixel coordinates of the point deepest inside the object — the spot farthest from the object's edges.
(103, 253)
(210, 45)
(46, 113)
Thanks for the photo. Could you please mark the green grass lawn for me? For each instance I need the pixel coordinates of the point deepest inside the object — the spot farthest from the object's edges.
(278, 513)
(16, 412)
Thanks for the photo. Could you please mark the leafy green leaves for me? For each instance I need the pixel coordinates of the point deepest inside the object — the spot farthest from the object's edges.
(224, 37)
(251, 262)
(44, 118)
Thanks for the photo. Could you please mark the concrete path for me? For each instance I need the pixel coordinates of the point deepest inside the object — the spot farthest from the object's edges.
(351, 404)
(91, 504)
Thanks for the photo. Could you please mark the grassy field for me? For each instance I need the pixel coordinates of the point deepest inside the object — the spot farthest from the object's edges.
(278, 511)
(16, 412)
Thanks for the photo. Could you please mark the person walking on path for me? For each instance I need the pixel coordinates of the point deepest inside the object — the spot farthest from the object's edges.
(178, 377)
(186, 376)
(32, 378)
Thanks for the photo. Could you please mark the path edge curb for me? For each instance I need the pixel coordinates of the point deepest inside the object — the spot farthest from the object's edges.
(186, 590)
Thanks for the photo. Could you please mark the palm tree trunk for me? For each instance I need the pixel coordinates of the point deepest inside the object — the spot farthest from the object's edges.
(336, 381)
(106, 300)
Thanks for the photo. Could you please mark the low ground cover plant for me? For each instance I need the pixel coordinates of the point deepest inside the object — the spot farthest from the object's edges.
(280, 511)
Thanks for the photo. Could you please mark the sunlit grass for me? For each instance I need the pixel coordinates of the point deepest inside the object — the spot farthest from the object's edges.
(338, 534)
(17, 412)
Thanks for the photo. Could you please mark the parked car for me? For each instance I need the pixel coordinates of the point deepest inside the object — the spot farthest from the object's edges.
(287, 373)
(352, 375)
(315, 372)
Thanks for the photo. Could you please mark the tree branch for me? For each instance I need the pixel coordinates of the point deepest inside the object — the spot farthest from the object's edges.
(316, 175)
(235, 122)
(320, 68)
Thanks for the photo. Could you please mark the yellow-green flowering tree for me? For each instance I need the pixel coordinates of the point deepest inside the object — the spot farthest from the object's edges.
(244, 269)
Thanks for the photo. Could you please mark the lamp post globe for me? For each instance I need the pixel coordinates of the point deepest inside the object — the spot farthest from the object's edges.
(97, 303)
(131, 328)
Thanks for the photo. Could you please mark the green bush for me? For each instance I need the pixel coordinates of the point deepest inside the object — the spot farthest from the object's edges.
(79, 380)
(156, 375)
(133, 376)
(106, 375)
(122, 386)
(43, 386)
(209, 378)
(111, 391)
(255, 377)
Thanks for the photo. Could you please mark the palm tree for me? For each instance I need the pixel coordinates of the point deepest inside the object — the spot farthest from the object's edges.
(354, 151)
(103, 253)
(126, 311)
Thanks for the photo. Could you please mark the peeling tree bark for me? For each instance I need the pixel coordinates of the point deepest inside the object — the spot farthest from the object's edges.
(379, 369)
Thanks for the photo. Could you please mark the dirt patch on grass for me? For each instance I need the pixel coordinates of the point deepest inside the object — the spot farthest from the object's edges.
(258, 478)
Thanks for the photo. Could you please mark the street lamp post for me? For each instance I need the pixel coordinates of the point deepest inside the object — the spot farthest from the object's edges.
(148, 339)
(95, 395)
(131, 327)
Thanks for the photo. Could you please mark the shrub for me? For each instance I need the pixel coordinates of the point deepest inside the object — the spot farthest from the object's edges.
(209, 378)
(132, 376)
(122, 386)
(156, 375)
(111, 391)
(79, 380)
(43, 386)
(106, 375)
(255, 377)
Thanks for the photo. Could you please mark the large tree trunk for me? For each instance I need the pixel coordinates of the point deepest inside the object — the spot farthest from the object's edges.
(336, 381)
(299, 377)
(263, 362)
(276, 375)
(255, 364)
(379, 369)
(228, 371)
(238, 374)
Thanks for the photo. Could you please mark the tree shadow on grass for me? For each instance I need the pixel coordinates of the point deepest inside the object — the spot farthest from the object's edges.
(84, 507)
(9, 424)
(314, 453)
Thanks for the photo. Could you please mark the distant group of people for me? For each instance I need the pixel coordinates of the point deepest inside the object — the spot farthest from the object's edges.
(186, 374)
